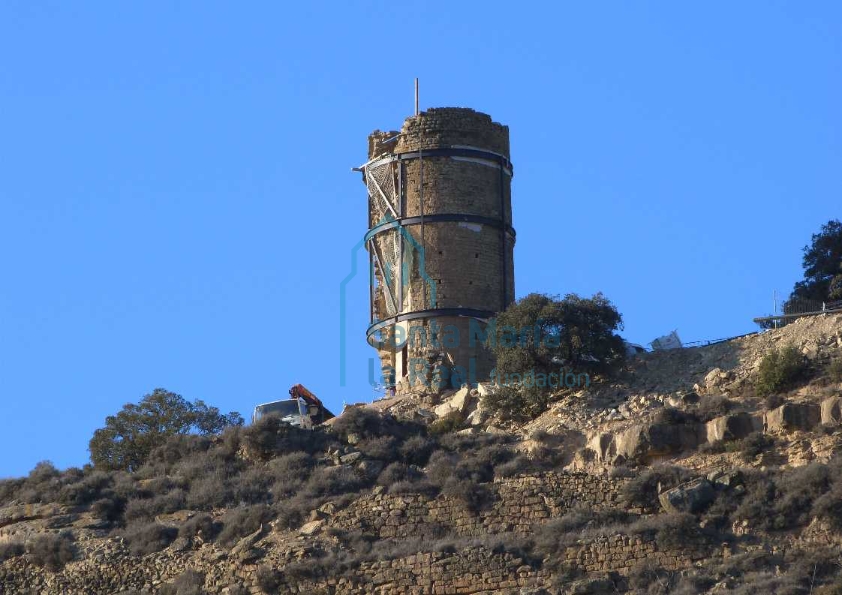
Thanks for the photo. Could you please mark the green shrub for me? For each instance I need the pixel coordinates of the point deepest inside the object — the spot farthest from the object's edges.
(9, 489)
(751, 446)
(396, 473)
(200, 525)
(365, 423)
(642, 491)
(148, 508)
(239, 522)
(452, 422)
(779, 370)
(673, 417)
(670, 530)
(288, 474)
(382, 448)
(517, 402)
(43, 484)
(648, 577)
(711, 448)
(416, 450)
(271, 437)
(790, 499)
(333, 481)
(51, 551)
(268, 579)
(553, 537)
(774, 401)
(519, 464)
(130, 436)
(829, 506)
(148, 537)
(472, 494)
(10, 549)
(421, 486)
(189, 582)
(540, 337)
(290, 513)
(86, 490)
(109, 508)
(712, 407)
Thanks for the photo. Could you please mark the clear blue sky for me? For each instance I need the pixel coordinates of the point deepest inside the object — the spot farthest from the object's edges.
(177, 206)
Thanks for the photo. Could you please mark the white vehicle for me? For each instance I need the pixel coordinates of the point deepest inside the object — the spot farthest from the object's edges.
(670, 341)
(291, 411)
(303, 409)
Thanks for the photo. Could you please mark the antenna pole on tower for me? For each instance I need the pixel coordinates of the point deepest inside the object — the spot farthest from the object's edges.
(416, 96)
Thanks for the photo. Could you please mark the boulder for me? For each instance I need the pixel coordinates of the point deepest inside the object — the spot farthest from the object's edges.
(27, 512)
(350, 458)
(462, 399)
(832, 411)
(791, 417)
(614, 415)
(460, 402)
(443, 410)
(445, 395)
(731, 427)
(423, 415)
(328, 508)
(371, 467)
(311, 528)
(647, 441)
(693, 496)
(245, 550)
(478, 416)
(726, 479)
(715, 378)
(484, 389)
(603, 446)
(181, 544)
(683, 399)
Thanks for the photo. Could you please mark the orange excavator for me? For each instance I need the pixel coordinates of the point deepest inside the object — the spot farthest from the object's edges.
(302, 409)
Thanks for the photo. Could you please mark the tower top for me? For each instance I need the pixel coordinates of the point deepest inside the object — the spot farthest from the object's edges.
(439, 127)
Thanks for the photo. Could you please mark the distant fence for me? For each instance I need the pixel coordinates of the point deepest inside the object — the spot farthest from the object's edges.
(715, 341)
(802, 306)
(796, 308)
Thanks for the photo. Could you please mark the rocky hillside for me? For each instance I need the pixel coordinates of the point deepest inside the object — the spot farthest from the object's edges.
(700, 470)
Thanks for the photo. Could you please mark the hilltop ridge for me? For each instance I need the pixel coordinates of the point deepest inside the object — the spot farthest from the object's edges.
(675, 475)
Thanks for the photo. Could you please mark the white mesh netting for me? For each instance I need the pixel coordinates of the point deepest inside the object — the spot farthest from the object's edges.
(382, 191)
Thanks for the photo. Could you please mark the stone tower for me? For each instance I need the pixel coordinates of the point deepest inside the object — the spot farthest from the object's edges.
(440, 244)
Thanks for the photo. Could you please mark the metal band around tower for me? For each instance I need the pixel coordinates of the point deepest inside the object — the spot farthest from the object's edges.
(458, 151)
(432, 313)
(440, 218)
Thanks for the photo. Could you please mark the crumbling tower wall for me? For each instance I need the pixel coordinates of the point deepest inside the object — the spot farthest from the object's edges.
(440, 244)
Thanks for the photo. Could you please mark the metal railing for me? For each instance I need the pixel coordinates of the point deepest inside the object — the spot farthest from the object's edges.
(796, 308)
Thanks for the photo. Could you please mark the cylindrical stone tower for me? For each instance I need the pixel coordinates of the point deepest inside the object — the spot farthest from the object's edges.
(440, 244)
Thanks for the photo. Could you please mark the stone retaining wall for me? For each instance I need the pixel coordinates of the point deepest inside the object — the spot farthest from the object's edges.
(519, 503)
(106, 566)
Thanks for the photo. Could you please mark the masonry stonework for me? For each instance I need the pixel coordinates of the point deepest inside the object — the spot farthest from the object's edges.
(441, 243)
(478, 565)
